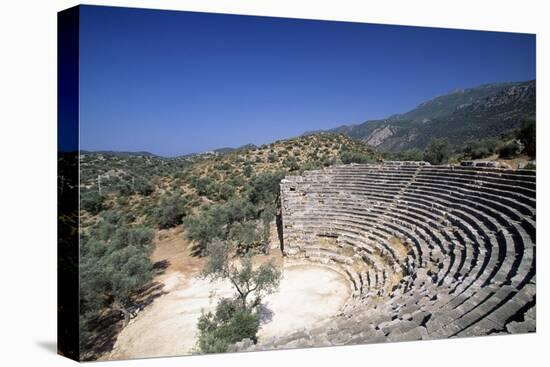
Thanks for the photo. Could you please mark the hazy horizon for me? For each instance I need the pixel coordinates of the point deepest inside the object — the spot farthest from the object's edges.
(173, 83)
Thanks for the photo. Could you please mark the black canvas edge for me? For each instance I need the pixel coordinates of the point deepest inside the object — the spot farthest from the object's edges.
(68, 25)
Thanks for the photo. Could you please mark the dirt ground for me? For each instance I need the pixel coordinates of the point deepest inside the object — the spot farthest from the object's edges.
(307, 294)
(171, 245)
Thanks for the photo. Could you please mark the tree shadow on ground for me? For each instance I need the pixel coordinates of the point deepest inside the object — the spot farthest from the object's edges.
(197, 250)
(160, 266)
(106, 327)
(266, 314)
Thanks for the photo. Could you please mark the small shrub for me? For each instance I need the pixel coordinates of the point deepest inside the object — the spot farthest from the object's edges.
(291, 163)
(348, 157)
(143, 187)
(508, 150)
(438, 152)
(230, 323)
(170, 211)
(481, 149)
(264, 187)
(531, 166)
(92, 202)
(528, 136)
(410, 155)
(125, 188)
(247, 170)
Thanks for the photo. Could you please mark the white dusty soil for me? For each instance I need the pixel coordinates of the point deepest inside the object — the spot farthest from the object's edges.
(307, 294)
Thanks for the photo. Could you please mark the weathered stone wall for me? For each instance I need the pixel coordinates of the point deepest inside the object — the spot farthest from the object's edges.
(431, 251)
(297, 197)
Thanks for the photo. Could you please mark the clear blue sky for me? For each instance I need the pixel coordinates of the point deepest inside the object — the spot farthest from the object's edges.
(177, 82)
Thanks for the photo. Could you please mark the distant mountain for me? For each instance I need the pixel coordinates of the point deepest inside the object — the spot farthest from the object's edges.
(229, 150)
(185, 156)
(119, 153)
(462, 115)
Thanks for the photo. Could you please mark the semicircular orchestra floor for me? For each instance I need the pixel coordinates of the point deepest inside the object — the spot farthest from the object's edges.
(308, 294)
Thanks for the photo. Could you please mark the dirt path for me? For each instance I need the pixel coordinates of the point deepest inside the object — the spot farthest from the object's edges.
(307, 294)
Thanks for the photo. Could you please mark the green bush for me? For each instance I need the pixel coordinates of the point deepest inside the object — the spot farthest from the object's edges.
(528, 136)
(247, 170)
(326, 162)
(310, 165)
(236, 181)
(355, 157)
(481, 149)
(91, 201)
(202, 228)
(531, 166)
(438, 152)
(245, 236)
(144, 187)
(112, 270)
(170, 211)
(125, 189)
(216, 221)
(230, 323)
(225, 166)
(408, 155)
(264, 187)
(212, 189)
(509, 149)
(291, 163)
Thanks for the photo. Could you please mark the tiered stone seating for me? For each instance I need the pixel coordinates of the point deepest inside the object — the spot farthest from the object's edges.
(431, 251)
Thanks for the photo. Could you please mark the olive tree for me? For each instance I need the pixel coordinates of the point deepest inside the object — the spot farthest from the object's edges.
(235, 318)
(217, 221)
(170, 210)
(437, 152)
(245, 279)
(229, 324)
(112, 271)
